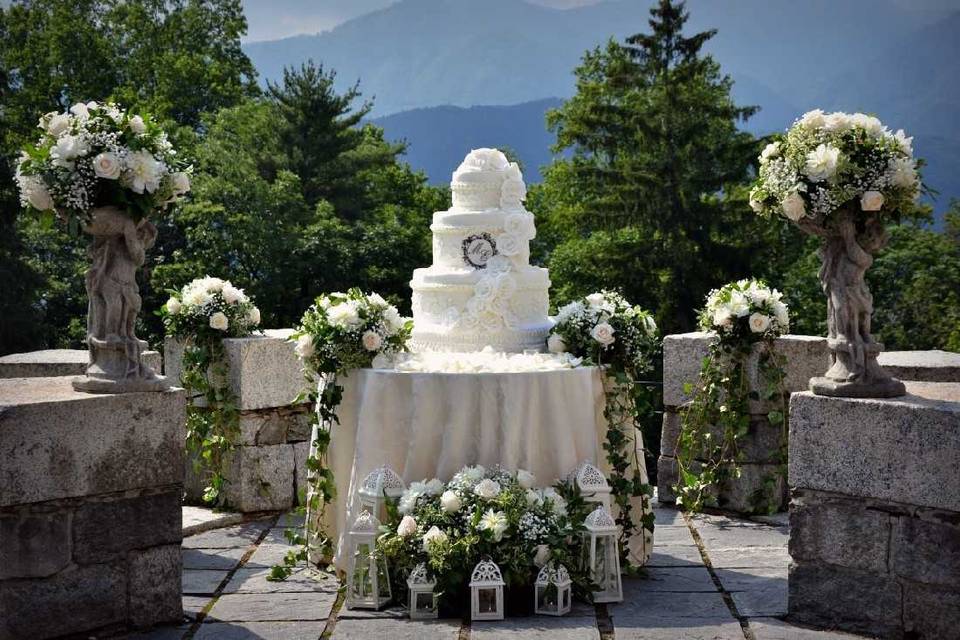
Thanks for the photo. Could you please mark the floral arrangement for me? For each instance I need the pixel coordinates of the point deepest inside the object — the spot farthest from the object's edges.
(200, 315)
(747, 310)
(605, 329)
(484, 513)
(747, 317)
(96, 155)
(832, 161)
(338, 333)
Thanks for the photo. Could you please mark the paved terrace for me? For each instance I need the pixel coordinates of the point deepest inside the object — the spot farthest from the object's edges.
(711, 578)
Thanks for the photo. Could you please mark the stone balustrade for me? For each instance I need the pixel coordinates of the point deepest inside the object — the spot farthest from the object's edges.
(51, 363)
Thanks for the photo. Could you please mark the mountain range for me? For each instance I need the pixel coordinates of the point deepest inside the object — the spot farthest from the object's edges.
(428, 64)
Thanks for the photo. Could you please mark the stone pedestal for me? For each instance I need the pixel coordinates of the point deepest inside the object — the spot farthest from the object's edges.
(266, 472)
(50, 363)
(90, 523)
(875, 514)
(683, 354)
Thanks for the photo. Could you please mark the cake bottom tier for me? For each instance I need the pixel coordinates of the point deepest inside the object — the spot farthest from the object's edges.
(438, 338)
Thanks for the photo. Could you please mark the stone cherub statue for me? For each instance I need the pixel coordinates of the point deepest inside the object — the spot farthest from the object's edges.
(846, 254)
(118, 250)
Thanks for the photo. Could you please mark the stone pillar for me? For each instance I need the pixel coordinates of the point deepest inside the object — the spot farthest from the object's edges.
(267, 471)
(683, 354)
(90, 519)
(875, 514)
(50, 363)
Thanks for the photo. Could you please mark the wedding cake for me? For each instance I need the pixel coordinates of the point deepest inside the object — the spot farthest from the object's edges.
(481, 289)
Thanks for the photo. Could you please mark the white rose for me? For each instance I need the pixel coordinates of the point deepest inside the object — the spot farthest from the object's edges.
(434, 487)
(66, 149)
(868, 123)
(254, 316)
(780, 311)
(517, 224)
(904, 141)
(793, 206)
(231, 294)
(305, 348)
(180, 182)
(603, 333)
(450, 501)
(407, 527)
(556, 344)
(499, 264)
(487, 489)
(57, 124)
(542, 556)
(512, 193)
(509, 244)
(35, 191)
(143, 172)
(80, 110)
(137, 125)
(490, 320)
(371, 340)
(173, 306)
(772, 150)
(650, 325)
(738, 305)
(596, 300)
(197, 297)
(837, 122)
(813, 119)
(485, 288)
(433, 536)
(759, 322)
(219, 321)
(871, 201)
(902, 172)
(392, 319)
(107, 165)
(722, 317)
(344, 314)
(525, 479)
(534, 498)
(821, 163)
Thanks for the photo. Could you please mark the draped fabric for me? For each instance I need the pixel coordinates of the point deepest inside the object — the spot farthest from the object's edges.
(429, 425)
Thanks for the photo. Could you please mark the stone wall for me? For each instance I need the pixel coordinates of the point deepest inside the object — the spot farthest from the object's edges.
(267, 471)
(90, 519)
(875, 514)
(51, 363)
(683, 354)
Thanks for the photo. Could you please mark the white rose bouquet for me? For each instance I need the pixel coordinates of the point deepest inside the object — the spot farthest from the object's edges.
(98, 155)
(604, 328)
(210, 307)
(343, 331)
(484, 513)
(746, 311)
(827, 162)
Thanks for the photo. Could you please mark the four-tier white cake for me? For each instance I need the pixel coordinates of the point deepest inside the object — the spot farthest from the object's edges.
(481, 289)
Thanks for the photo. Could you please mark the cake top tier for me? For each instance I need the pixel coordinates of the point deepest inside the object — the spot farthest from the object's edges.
(486, 180)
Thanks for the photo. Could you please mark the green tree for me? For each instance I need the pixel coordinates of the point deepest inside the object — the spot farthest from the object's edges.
(655, 175)
(176, 58)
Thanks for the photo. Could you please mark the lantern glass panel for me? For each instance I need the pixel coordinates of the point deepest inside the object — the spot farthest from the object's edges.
(487, 600)
(424, 602)
(548, 598)
(566, 598)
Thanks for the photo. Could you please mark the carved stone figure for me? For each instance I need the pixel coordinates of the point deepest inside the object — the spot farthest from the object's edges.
(846, 254)
(117, 251)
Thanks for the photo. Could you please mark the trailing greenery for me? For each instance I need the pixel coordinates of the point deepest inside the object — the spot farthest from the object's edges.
(200, 316)
(747, 317)
(340, 332)
(606, 330)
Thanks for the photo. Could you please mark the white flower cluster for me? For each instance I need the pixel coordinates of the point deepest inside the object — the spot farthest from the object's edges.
(831, 160)
(94, 144)
(487, 360)
(746, 308)
(594, 313)
(371, 316)
(217, 303)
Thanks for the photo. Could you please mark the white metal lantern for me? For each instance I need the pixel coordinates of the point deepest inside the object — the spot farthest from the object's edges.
(592, 484)
(552, 592)
(486, 592)
(601, 555)
(368, 582)
(423, 601)
(380, 484)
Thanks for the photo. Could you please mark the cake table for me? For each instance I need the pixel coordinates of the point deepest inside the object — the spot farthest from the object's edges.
(427, 425)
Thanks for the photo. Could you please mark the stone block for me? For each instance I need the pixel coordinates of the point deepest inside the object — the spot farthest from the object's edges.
(260, 478)
(839, 531)
(73, 601)
(34, 545)
(926, 548)
(50, 363)
(760, 444)
(922, 366)
(154, 588)
(739, 495)
(904, 450)
(264, 370)
(275, 426)
(848, 599)
(666, 479)
(59, 443)
(931, 612)
(301, 451)
(105, 528)
(683, 354)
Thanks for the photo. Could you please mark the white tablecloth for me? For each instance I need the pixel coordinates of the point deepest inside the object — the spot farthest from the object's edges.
(427, 425)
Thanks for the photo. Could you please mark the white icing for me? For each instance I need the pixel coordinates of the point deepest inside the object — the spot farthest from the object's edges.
(481, 289)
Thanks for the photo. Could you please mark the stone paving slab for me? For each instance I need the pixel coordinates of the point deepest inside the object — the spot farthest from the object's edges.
(258, 607)
(160, 633)
(667, 517)
(268, 555)
(386, 628)
(298, 630)
(670, 535)
(296, 520)
(199, 519)
(773, 629)
(536, 628)
(390, 612)
(724, 532)
(220, 559)
(668, 628)
(193, 605)
(749, 557)
(254, 580)
(675, 556)
(241, 535)
(202, 581)
(656, 606)
(683, 579)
